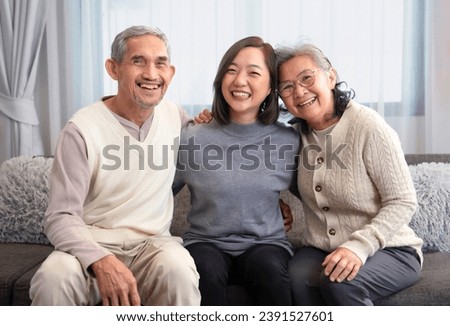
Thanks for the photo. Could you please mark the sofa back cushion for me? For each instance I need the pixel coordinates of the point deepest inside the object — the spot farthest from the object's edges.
(24, 196)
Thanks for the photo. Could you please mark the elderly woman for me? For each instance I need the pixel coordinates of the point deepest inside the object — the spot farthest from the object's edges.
(355, 186)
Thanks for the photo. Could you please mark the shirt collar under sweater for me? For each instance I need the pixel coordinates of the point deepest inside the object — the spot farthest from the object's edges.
(139, 133)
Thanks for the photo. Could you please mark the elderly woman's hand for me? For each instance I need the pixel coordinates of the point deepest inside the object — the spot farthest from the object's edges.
(342, 264)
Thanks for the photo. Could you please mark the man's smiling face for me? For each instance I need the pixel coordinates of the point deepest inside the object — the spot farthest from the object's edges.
(145, 71)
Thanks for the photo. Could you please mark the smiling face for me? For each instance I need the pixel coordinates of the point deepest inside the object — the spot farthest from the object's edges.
(246, 84)
(314, 103)
(144, 73)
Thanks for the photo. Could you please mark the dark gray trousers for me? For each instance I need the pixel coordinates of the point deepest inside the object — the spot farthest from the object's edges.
(388, 271)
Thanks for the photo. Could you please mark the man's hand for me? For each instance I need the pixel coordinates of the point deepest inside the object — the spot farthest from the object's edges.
(288, 219)
(203, 117)
(342, 264)
(116, 283)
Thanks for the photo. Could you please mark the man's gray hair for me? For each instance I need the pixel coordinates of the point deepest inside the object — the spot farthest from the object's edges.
(119, 45)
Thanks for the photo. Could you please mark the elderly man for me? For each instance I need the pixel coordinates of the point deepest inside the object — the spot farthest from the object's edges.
(111, 201)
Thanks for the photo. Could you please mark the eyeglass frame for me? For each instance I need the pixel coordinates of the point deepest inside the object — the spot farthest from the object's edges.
(297, 81)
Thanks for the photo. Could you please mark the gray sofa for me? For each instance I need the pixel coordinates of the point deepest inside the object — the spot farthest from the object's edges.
(23, 246)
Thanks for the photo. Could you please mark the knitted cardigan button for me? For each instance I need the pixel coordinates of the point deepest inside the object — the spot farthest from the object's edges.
(332, 232)
(318, 188)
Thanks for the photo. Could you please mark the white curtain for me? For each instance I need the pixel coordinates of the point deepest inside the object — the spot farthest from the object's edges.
(393, 53)
(71, 64)
(437, 77)
(363, 39)
(22, 25)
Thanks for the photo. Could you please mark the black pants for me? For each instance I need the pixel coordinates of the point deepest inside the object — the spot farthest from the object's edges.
(262, 270)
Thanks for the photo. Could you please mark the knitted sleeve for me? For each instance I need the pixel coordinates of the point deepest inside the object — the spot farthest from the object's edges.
(387, 170)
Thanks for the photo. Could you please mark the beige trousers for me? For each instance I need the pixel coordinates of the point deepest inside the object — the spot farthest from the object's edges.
(164, 271)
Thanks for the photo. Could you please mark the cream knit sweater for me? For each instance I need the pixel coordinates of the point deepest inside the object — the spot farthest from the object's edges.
(357, 191)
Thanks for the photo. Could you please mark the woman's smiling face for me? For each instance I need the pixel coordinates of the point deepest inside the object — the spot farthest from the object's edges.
(314, 103)
(246, 84)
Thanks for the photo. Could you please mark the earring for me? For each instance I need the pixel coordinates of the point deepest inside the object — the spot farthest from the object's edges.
(263, 106)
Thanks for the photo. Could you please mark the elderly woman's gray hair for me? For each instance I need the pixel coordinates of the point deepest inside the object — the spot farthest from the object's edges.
(284, 53)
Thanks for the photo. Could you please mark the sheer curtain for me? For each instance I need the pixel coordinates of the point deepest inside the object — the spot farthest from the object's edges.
(437, 77)
(21, 28)
(363, 38)
(391, 52)
(71, 65)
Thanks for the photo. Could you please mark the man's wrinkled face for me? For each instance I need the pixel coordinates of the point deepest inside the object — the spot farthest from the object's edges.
(145, 71)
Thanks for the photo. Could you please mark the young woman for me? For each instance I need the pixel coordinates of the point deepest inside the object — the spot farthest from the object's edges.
(235, 168)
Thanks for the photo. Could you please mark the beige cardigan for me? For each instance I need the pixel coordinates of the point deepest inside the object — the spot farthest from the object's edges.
(357, 192)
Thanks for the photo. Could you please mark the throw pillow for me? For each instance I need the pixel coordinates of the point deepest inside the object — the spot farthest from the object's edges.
(431, 220)
(23, 199)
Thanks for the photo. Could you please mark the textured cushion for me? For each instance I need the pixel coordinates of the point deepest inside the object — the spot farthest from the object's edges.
(23, 199)
(432, 218)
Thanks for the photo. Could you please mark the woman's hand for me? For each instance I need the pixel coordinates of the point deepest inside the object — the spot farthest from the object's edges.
(342, 264)
(203, 117)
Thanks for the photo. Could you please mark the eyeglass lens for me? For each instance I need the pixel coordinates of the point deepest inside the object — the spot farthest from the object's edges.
(305, 79)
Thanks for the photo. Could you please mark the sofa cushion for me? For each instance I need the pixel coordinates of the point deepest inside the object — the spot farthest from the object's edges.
(433, 288)
(21, 289)
(182, 206)
(298, 225)
(16, 260)
(23, 199)
(431, 220)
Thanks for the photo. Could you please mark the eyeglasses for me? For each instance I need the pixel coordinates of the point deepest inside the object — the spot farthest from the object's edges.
(305, 79)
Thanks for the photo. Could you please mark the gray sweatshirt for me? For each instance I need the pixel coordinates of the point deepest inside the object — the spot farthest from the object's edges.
(235, 174)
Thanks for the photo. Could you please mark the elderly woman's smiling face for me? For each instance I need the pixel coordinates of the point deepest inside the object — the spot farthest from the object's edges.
(308, 91)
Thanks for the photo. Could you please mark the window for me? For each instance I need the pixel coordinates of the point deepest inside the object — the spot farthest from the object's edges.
(362, 38)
